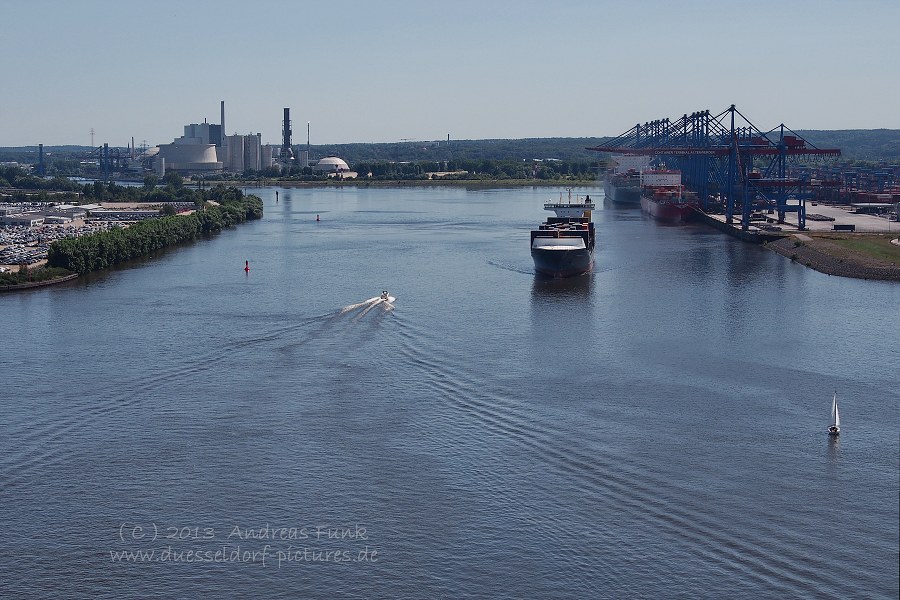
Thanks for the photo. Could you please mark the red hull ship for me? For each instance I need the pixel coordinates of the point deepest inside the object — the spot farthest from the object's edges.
(664, 198)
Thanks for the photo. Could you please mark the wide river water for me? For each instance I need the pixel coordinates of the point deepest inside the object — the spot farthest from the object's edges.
(180, 428)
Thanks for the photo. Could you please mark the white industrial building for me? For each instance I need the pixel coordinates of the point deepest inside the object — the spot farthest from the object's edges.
(193, 152)
(334, 167)
(246, 153)
(23, 220)
(186, 155)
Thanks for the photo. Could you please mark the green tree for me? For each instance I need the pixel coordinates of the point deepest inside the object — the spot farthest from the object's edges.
(173, 180)
(99, 190)
(150, 181)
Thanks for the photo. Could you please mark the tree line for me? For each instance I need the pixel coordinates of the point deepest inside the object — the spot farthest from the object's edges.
(100, 250)
(459, 169)
(476, 169)
(26, 274)
(171, 188)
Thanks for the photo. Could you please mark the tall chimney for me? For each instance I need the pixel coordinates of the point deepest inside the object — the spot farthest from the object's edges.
(286, 151)
(223, 119)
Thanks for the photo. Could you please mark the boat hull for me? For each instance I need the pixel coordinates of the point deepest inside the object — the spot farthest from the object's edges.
(669, 212)
(623, 194)
(562, 262)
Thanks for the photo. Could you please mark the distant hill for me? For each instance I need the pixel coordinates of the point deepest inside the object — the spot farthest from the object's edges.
(499, 149)
(858, 144)
(855, 144)
(29, 154)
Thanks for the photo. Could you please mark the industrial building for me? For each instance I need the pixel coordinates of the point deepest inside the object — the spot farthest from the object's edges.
(334, 167)
(22, 220)
(197, 151)
(246, 153)
(185, 155)
(204, 133)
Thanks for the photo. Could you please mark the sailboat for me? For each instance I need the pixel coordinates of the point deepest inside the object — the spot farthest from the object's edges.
(835, 427)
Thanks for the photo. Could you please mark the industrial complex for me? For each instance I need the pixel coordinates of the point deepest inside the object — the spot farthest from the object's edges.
(206, 148)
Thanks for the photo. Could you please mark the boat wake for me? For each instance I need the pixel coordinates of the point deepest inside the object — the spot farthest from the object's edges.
(385, 301)
(512, 268)
(43, 442)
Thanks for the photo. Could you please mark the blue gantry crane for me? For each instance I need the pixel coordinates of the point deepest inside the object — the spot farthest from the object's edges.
(729, 162)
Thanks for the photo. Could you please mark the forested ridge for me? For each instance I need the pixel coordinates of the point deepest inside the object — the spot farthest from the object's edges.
(855, 144)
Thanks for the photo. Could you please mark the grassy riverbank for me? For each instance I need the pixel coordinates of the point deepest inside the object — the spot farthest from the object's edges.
(857, 255)
(26, 278)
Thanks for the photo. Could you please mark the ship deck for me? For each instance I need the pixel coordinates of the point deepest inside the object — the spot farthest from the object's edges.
(560, 227)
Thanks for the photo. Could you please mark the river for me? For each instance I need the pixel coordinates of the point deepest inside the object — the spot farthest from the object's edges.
(179, 427)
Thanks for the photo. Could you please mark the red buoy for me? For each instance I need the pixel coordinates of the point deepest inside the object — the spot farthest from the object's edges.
(247, 266)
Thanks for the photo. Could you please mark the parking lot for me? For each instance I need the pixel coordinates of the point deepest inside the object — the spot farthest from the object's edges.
(29, 245)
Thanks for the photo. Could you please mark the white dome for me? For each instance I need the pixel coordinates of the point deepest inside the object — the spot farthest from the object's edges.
(331, 163)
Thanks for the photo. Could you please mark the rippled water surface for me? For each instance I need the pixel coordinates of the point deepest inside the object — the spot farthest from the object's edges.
(181, 428)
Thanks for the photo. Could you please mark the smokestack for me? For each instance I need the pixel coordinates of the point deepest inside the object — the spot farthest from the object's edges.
(286, 151)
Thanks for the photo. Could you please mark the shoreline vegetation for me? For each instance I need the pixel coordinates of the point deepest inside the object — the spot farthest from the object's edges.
(438, 182)
(34, 278)
(68, 258)
(97, 251)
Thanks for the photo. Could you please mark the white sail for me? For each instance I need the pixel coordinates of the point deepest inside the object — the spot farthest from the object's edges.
(835, 415)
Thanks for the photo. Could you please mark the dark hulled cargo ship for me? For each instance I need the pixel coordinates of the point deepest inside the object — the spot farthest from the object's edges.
(563, 245)
(622, 184)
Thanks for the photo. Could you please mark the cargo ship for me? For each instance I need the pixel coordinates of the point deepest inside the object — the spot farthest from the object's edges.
(563, 246)
(664, 198)
(623, 180)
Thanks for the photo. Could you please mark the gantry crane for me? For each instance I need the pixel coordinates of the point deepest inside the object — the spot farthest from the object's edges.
(727, 161)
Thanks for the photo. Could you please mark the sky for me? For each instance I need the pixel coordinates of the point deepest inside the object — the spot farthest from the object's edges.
(393, 70)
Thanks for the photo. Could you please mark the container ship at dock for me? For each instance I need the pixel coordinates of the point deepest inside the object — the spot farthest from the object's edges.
(622, 183)
(563, 246)
(664, 198)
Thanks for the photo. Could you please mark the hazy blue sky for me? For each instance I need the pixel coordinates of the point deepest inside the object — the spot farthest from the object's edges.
(386, 70)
